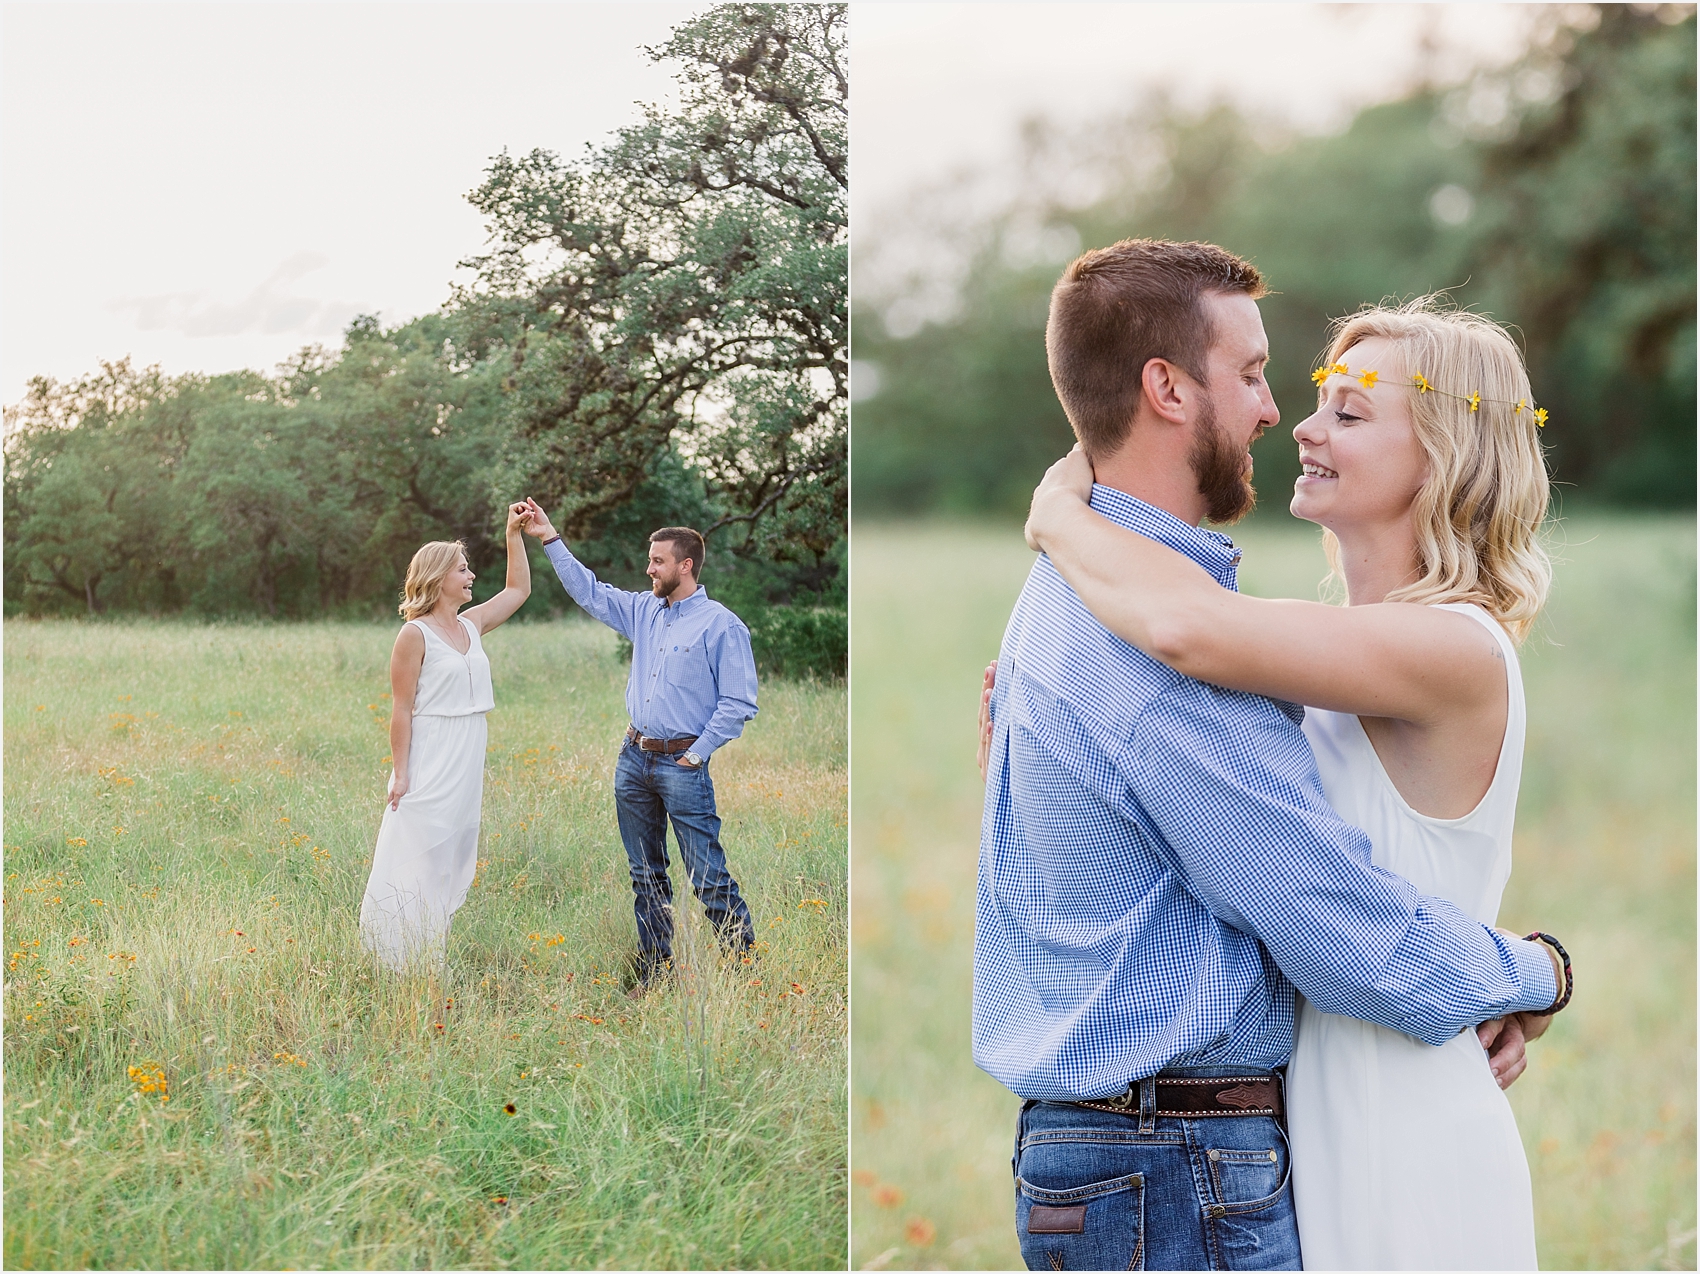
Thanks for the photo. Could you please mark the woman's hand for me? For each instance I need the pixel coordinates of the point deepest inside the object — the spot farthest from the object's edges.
(1069, 479)
(986, 684)
(518, 515)
(398, 788)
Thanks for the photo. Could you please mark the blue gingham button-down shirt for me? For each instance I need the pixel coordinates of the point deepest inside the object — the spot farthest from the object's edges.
(1159, 869)
(692, 668)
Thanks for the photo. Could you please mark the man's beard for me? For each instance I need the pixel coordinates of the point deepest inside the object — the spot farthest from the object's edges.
(1219, 466)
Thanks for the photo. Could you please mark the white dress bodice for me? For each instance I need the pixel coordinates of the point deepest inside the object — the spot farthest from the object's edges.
(452, 684)
(1464, 860)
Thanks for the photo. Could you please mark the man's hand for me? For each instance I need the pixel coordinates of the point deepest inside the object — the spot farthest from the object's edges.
(986, 684)
(537, 522)
(1068, 479)
(1504, 1039)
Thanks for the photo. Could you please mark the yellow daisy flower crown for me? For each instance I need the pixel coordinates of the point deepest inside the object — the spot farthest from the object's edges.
(1421, 384)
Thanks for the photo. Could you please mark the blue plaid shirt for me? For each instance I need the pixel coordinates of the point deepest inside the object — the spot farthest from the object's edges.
(692, 668)
(1159, 869)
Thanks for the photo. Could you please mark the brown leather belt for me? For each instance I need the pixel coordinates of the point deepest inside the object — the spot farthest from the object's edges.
(670, 746)
(1188, 1097)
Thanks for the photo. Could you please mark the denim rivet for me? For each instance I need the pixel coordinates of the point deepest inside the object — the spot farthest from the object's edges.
(1215, 1154)
(1272, 1158)
(1218, 1210)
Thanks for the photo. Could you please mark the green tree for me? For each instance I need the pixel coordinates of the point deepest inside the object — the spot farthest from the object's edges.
(682, 291)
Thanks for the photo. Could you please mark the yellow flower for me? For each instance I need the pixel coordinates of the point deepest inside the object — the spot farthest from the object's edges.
(1475, 401)
(1320, 374)
(1518, 409)
(1421, 382)
(1368, 379)
(1541, 418)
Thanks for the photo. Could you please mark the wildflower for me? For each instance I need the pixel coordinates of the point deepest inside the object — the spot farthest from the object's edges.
(887, 1196)
(797, 987)
(1421, 382)
(1541, 418)
(76, 842)
(1518, 409)
(77, 942)
(437, 1025)
(510, 1109)
(1475, 401)
(1367, 380)
(920, 1231)
(863, 1177)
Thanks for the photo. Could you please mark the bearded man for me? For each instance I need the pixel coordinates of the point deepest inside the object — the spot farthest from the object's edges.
(692, 687)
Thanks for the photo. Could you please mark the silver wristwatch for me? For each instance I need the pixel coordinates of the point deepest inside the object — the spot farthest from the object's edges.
(691, 759)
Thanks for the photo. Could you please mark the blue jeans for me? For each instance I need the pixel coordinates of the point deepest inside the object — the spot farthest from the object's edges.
(650, 788)
(1118, 1192)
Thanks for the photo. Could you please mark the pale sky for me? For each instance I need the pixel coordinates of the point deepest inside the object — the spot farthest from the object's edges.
(212, 186)
(941, 87)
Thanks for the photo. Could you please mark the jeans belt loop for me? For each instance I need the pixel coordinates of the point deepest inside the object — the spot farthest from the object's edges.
(1148, 1105)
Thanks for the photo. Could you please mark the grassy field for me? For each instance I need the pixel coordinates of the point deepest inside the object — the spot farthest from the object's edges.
(202, 1070)
(1606, 840)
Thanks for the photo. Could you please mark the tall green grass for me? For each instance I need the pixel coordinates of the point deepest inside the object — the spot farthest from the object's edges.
(1605, 858)
(190, 813)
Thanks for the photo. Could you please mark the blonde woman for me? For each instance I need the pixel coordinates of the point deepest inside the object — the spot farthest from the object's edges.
(427, 847)
(1423, 465)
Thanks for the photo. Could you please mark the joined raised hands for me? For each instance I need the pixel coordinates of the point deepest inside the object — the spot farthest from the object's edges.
(536, 521)
(1069, 479)
(518, 515)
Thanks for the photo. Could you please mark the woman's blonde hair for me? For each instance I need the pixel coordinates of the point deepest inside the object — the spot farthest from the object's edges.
(1478, 517)
(425, 574)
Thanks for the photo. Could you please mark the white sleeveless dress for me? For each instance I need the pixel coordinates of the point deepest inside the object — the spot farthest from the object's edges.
(1406, 1156)
(427, 849)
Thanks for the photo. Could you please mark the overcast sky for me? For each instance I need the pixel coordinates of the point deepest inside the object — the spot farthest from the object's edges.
(212, 186)
(939, 87)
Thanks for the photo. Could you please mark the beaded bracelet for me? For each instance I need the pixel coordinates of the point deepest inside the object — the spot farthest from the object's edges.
(1564, 958)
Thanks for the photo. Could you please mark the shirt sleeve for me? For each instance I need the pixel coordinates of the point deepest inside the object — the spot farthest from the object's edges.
(613, 606)
(733, 665)
(1231, 788)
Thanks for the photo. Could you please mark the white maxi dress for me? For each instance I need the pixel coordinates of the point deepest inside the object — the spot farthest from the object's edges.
(427, 849)
(1406, 1156)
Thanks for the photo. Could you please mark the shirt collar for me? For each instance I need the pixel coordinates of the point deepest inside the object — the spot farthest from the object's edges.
(1212, 550)
(687, 601)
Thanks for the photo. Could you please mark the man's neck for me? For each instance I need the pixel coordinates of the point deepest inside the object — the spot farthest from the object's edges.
(1165, 482)
(684, 589)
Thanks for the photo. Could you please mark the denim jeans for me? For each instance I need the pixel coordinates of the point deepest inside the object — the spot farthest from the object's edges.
(650, 788)
(1118, 1192)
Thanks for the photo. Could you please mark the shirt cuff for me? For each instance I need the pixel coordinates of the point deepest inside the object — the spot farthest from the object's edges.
(1535, 968)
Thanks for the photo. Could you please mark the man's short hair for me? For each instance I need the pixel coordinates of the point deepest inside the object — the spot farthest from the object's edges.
(686, 543)
(1117, 308)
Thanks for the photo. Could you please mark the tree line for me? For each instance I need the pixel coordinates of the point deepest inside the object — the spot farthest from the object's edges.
(1557, 195)
(654, 334)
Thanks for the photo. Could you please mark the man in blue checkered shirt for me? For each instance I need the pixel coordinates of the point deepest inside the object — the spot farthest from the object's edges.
(1158, 866)
(692, 687)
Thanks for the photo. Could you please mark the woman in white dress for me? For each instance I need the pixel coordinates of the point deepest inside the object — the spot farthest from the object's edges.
(427, 849)
(1424, 467)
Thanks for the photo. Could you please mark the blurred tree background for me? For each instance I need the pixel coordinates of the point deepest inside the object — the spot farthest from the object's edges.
(655, 334)
(1557, 195)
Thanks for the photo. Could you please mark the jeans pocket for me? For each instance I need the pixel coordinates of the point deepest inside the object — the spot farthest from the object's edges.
(1099, 1226)
(1252, 1222)
(1245, 1176)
